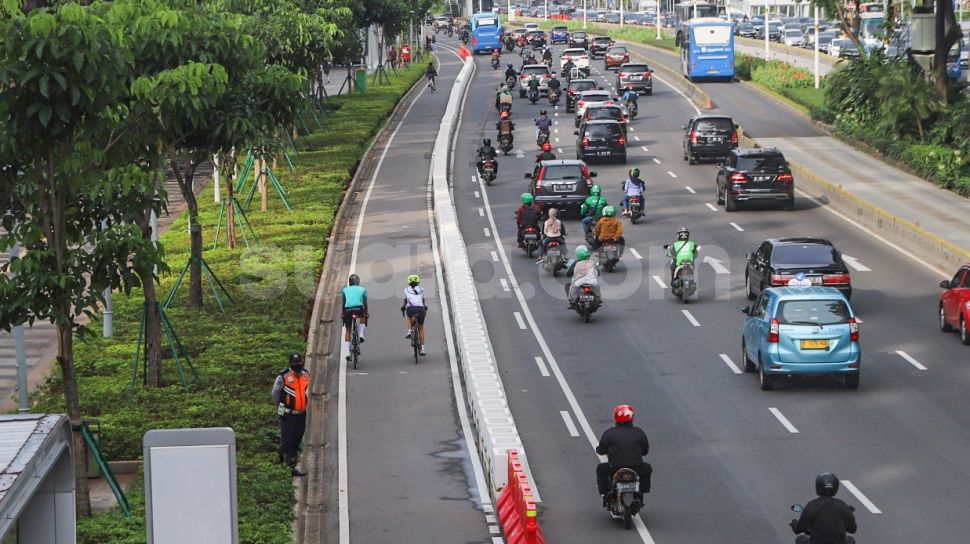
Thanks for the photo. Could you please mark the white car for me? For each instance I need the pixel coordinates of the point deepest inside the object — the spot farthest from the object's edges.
(532, 26)
(578, 55)
(539, 70)
(793, 38)
(835, 47)
(592, 99)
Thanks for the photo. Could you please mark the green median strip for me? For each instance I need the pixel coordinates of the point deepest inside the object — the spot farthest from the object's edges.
(237, 354)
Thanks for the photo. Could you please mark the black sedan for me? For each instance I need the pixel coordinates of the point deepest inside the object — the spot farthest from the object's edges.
(579, 39)
(777, 260)
(601, 140)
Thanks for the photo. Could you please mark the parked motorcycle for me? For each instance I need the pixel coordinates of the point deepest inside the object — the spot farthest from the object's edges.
(488, 171)
(554, 96)
(555, 258)
(609, 255)
(625, 501)
(587, 303)
(505, 143)
(530, 240)
(635, 207)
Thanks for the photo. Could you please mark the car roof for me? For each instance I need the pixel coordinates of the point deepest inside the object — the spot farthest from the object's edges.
(605, 106)
(754, 151)
(595, 91)
(568, 49)
(706, 116)
(806, 293)
(602, 38)
(797, 240)
(593, 81)
(535, 66)
(634, 64)
(563, 162)
(592, 122)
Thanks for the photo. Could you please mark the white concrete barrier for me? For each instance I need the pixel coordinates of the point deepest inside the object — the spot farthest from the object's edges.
(486, 394)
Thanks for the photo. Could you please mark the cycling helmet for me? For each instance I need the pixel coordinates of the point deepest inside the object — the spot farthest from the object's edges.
(595, 190)
(527, 199)
(296, 359)
(487, 141)
(623, 414)
(547, 146)
(413, 279)
(505, 115)
(542, 112)
(826, 484)
(354, 279)
(683, 233)
(582, 253)
(635, 172)
(609, 211)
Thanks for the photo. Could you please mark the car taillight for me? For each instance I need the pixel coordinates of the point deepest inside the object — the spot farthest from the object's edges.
(785, 178)
(621, 140)
(585, 142)
(693, 136)
(609, 102)
(737, 177)
(648, 74)
(778, 280)
(853, 330)
(773, 332)
(580, 104)
(836, 279)
(734, 137)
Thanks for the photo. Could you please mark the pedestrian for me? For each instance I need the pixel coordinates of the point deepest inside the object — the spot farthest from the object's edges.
(290, 396)
(427, 44)
(327, 65)
(391, 57)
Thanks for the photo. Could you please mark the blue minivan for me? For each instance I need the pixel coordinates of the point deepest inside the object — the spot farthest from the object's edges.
(801, 330)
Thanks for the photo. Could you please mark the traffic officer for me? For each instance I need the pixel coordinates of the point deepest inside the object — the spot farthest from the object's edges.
(290, 396)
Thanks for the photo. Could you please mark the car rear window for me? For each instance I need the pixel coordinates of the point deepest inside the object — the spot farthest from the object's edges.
(802, 255)
(761, 162)
(563, 171)
(560, 29)
(535, 70)
(582, 85)
(574, 52)
(595, 96)
(602, 131)
(813, 312)
(605, 113)
(578, 34)
(793, 33)
(720, 125)
(634, 68)
(619, 50)
(601, 40)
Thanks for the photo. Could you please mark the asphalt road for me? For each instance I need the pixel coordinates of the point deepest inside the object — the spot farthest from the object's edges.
(729, 459)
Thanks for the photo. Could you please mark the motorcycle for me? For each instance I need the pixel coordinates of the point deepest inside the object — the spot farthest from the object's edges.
(554, 96)
(685, 282)
(631, 108)
(451, 32)
(542, 138)
(496, 63)
(510, 83)
(609, 255)
(625, 501)
(555, 259)
(505, 143)
(533, 96)
(505, 106)
(806, 537)
(488, 171)
(547, 62)
(587, 303)
(530, 240)
(636, 209)
(508, 46)
(464, 37)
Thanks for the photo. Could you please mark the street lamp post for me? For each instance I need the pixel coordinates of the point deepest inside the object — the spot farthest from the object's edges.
(621, 13)
(657, 19)
(20, 353)
(584, 14)
(767, 30)
(511, 14)
(545, 11)
(817, 78)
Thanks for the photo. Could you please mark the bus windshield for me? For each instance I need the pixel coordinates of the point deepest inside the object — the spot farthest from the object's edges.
(871, 27)
(690, 10)
(712, 35)
(486, 21)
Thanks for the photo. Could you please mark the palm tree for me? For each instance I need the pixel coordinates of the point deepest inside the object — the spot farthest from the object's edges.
(905, 95)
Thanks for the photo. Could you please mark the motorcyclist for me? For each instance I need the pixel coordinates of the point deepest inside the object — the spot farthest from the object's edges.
(547, 55)
(527, 215)
(543, 123)
(534, 85)
(554, 84)
(486, 153)
(567, 69)
(553, 230)
(522, 42)
(630, 96)
(681, 252)
(825, 520)
(584, 273)
(496, 56)
(547, 154)
(592, 207)
(502, 95)
(632, 186)
(624, 446)
(529, 58)
(511, 75)
(505, 127)
(608, 229)
(507, 41)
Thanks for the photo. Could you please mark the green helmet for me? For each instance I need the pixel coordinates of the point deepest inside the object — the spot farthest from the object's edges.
(609, 211)
(582, 253)
(635, 172)
(413, 279)
(527, 199)
(595, 190)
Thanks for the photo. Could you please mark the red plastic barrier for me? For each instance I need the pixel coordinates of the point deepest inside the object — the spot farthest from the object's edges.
(516, 507)
(463, 52)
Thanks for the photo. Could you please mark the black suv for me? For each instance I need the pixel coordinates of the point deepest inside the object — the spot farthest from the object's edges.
(636, 76)
(777, 260)
(578, 39)
(709, 136)
(574, 89)
(601, 140)
(598, 47)
(562, 184)
(760, 174)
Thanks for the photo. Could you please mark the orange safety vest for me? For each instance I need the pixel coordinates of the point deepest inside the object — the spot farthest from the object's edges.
(295, 386)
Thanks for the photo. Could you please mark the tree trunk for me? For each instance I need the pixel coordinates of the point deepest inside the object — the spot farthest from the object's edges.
(948, 33)
(186, 182)
(153, 333)
(65, 359)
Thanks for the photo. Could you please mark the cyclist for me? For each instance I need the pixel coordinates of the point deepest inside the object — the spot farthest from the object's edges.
(431, 73)
(415, 307)
(354, 302)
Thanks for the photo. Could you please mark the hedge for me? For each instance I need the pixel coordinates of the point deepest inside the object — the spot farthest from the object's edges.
(237, 354)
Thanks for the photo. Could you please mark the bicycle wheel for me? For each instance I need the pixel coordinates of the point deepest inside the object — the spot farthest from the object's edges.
(354, 346)
(415, 342)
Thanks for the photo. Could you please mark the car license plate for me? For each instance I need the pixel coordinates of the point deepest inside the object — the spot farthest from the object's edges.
(623, 487)
(636, 77)
(715, 139)
(586, 298)
(816, 280)
(762, 178)
(712, 71)
(602, 153)
(815, 344)
(562, 188)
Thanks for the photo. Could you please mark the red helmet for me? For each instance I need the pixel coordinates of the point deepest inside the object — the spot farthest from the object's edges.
(505, 115)
(623, 414)
(547, 146)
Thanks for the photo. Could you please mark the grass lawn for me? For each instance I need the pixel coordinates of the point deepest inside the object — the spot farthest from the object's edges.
(237, 354)
(810, 97)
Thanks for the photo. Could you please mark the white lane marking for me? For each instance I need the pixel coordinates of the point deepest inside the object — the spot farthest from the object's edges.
(636, 254)
(556, 114)
(910, 360)
(567, 391)
(504, 283)
(690, 190)
(671, 174)
(490, 519)
(481, 212)
(783, 420)
(711, 207)
(559, 150)
(690, 317)
(556, 130)
(557, 139)
(727, 360)
(494, 257)
(542, 367)
(474, 178)
(494, 530)
(855, 264)
(660, 282)
(643, 147)
(497, 540)
(488, 233)
(518, 319)
(637, 138)
(343, 488)
(861, 497)
(716, 265)
(736, 227)
(570, 426)
(477, 195)
(656, 160)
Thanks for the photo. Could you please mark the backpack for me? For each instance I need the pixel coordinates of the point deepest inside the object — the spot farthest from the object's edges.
(529, 217)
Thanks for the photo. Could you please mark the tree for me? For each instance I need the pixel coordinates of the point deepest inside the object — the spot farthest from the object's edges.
(948, 33)
(849, 27)
(64, 74)
(905, 100)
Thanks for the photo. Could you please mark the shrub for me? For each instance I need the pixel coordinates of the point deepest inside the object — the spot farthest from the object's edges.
(948, 167)
(744, 64)
(778, 75)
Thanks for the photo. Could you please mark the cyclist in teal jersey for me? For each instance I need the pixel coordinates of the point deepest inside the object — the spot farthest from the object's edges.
(354, 303)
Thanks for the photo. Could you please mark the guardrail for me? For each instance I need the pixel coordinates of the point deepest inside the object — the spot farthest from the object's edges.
(487, 402)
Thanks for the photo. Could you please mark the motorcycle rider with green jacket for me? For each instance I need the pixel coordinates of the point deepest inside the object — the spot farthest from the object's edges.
(681, 252)
(592, 208)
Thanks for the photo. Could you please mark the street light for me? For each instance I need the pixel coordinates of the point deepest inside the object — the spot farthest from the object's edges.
(657, 19)
(817, 78)
(767, 31)
(584, 14)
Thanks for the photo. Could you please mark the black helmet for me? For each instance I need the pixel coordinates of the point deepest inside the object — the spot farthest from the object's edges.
(296, 359)
(487, 141)
(354, 279)
(826, 484)
(683, 233)
(543, 112)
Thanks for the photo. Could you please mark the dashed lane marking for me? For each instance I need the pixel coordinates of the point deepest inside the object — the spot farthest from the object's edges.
(727, 360)
(736, 227)
(518, 319)
(660, 282)
(636, 254)
(488, 233)
(783, 420)
(570, 426)
(671, 174)
(656, 160)
(710, 206)
(542, 367)
(910, 360)
(690, 317)
(504, 283)
(690, 190)
(861, 497)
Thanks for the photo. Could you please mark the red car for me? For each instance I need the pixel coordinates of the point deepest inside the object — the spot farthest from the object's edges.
(615, 57)
(955, 304)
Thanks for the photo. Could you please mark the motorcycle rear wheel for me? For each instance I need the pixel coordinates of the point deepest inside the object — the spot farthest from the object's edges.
(627, 519)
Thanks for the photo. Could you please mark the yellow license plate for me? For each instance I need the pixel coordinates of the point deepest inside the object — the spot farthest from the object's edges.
(815, 344)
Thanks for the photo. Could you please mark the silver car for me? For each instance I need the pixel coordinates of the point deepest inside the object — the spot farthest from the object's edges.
(793, 37)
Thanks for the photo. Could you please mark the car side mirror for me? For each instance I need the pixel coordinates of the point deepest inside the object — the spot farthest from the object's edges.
(592, 174)
(746, 310)
(576, 133)
(797, 508)
(528, 176)
(747, 256)
(683, 127)
(945, 284)
(666, 246)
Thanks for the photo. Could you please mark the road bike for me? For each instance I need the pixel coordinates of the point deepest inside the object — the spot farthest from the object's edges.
(415, 339)
(354, 341)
